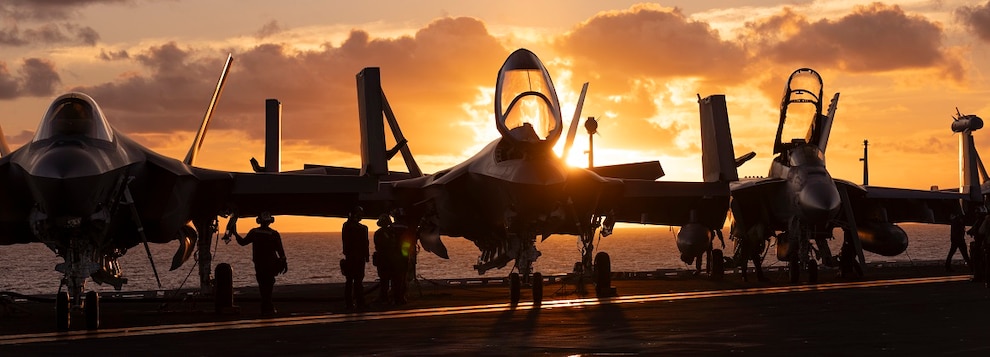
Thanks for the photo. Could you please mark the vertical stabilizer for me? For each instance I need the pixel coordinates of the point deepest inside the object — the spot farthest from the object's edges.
(4, 148)
(826, 124)
(717, 154)
(370, 111)
(204, 125)
(969, 171)
(273, 135)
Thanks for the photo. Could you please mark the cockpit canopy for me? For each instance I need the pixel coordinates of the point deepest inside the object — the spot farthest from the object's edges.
(526, 106)
(800, 107)
(74, 114)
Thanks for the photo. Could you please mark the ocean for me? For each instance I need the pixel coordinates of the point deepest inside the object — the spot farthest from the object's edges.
(313, 258)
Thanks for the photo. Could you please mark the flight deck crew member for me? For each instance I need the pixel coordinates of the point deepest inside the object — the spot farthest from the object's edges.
(354, 237)
(268, 255)
(957, 238)
(384, 243)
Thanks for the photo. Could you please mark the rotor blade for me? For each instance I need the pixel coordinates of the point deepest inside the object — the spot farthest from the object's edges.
(201, 134)
(572, 131)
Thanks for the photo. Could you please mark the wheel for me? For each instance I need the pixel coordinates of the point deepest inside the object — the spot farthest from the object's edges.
(92, 310)
(794, 267)
(812, 271)
(62, 311)
(224, 288)
(514, 287)
(537, 289)
(603, 274)
(718, 265)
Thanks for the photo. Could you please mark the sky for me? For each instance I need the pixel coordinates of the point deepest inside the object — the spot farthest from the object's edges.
(902, 68)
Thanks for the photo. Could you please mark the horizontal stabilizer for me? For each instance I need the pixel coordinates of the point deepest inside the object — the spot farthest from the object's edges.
(743, 159)
(650, 170)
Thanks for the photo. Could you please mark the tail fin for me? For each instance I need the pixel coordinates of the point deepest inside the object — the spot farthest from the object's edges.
(970, 166)
(201, 134)
(717, 154)
(826, 124)
(373, 110)
(4, 148)
(572, 130)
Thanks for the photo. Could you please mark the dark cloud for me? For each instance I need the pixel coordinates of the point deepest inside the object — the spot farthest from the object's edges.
(113, 55)
(36, 77)
(8, 83)
(39, 77)
(976, 18)
(47, 10)
(426, 76)
(269, 29)
(30, 22)
(876, 37)
(646, 41)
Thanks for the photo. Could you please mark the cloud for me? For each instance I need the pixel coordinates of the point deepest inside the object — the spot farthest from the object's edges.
(48, 10)
(650, 41)
(269, 29)
(36, 77)
(46, 22)
(113, 55)
(976, 18)
(874, 37)
(426, 77)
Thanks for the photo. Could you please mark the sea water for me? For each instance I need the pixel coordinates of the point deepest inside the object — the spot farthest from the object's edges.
(314, 258)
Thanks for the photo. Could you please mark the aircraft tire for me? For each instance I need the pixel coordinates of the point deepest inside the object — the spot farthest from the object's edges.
(92, 310)
(812, 272)
(537, 289)
(514, 287)
(718, 265)
(62, 311)
(794, 268)
(603, 274)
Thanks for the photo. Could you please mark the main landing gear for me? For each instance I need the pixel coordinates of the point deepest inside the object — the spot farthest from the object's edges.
(90, 309)
(515, 288)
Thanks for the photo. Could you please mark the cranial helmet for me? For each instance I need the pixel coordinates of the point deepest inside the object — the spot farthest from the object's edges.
(265, 217)
(384, 220)
(357, 212)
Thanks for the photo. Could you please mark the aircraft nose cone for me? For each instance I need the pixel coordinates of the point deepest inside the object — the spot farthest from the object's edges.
(819, 202)
(66, 162)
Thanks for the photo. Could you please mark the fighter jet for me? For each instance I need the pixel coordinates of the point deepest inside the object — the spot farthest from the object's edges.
(90, 194)
(800, 203)
(516, 189)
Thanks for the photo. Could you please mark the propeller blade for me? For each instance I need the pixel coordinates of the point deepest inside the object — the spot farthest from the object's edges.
(201, 134)
(572, 131)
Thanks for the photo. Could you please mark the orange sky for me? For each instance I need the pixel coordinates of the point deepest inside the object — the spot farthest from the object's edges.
(902, 68)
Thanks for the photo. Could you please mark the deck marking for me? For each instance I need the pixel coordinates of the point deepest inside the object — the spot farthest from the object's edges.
(453, 310)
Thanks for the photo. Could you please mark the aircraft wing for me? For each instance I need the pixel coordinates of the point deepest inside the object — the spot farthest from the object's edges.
(903, 205)
(670, 203)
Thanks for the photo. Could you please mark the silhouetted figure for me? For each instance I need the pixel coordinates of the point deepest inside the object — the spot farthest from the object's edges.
(402, 251)
(957, 238)
(268, 254)
(981, 255)
(749, 247)
(354, 236)
(385, 243)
